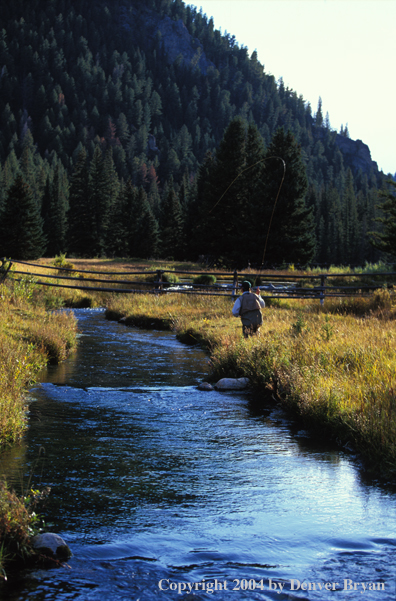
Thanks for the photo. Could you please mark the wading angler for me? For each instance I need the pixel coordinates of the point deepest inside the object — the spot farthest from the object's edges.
(248, 307)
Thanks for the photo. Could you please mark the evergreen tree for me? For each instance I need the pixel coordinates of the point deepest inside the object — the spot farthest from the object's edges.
(386, 240)
(117, 243)
(196, 217)
(111, 180)
(223, 208)
(172, 226)
(351, 222)
(319, 114)
(54, 211)
(11, 170)
(133, 200)
(291, 235)
(98, 203)
(21, 226)
(334, 250)
(68, 79)
(252, 236)
(147, 231)
(81, 235)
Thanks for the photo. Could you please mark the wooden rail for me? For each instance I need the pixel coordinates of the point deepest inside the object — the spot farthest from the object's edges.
(318, 286)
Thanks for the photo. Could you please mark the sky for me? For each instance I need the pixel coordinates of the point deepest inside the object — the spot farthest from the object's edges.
(341, 50)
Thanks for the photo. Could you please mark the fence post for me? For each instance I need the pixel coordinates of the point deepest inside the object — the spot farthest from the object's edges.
(322, 292)
(235, 284)
(159, 284)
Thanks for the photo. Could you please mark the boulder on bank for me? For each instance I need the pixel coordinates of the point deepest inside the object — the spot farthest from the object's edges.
(51, 545)
(232, 384)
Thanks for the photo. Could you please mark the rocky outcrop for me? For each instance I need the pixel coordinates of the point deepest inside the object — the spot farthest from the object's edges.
(178, 42)
(173, 35)
(356, 154)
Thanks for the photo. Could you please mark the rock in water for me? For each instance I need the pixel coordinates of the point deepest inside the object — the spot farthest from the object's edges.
(232, 384)
(205, 386)
(52, 545)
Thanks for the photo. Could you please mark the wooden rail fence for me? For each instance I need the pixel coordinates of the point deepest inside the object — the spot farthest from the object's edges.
(318, 286)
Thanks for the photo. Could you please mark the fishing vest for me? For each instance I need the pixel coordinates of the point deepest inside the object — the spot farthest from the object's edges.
(249, 302)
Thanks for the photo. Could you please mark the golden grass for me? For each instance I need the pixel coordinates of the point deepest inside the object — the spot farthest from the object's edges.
(334, 366)
(30, 337)
(334, 369)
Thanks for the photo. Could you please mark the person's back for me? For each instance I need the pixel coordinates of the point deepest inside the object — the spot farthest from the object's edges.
(248, 308)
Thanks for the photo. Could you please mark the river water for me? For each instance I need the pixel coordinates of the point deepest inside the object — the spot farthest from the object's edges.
(166, 492)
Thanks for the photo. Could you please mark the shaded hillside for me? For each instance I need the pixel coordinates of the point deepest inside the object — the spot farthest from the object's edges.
(157, 84)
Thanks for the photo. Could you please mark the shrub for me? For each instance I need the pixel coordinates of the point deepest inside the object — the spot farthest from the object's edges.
(18, 524)
(205, 280)
(60, 261)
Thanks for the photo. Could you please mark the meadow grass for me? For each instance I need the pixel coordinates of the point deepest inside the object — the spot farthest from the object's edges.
(30, 337)
(334, 366)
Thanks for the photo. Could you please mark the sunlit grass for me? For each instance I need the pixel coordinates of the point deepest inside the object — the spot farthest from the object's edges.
(30, 337)
(333, 366)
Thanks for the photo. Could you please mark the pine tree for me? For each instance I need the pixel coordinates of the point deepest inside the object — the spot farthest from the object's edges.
(133, 199)
(223, 209)
(147, 231)
(11, 170)
(319, 114)
(81, 235)
(171, 225)
(29, 169)
(198, 210)
(117, 242)
(291, 234)
(54, 211)
(386, 240)
(21, 226)
(252, 236)
(351, 223)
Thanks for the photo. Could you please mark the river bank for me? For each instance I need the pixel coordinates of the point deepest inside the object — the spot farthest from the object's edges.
(332, 367)
(153, 481)
(30, 338)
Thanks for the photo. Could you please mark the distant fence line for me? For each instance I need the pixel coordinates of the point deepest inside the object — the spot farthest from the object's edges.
(226, 284)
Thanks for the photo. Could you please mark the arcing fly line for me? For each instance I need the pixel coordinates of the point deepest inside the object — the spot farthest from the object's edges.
(276, 199)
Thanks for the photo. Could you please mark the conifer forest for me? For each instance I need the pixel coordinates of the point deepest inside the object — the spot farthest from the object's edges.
(134, 128)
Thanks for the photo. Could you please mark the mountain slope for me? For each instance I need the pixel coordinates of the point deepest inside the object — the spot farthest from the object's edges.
(154, 82)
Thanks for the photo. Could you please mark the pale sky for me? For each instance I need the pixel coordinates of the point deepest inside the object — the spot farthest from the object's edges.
(341, 50)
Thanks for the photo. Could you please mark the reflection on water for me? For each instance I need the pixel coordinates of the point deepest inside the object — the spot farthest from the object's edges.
(153, 481)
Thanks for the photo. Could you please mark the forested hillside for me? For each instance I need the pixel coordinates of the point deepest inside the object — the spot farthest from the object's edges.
(113, 116)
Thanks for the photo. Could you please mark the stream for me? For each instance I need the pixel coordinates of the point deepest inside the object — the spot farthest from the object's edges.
(166, 492)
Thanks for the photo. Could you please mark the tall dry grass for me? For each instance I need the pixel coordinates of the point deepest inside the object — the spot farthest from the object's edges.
(333, 366)
(30, 337)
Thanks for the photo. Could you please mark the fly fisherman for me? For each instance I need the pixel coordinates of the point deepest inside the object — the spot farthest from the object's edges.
(248, 307)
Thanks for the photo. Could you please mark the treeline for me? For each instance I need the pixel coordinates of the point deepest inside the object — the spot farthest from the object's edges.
(247, 204)
(87, 90)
